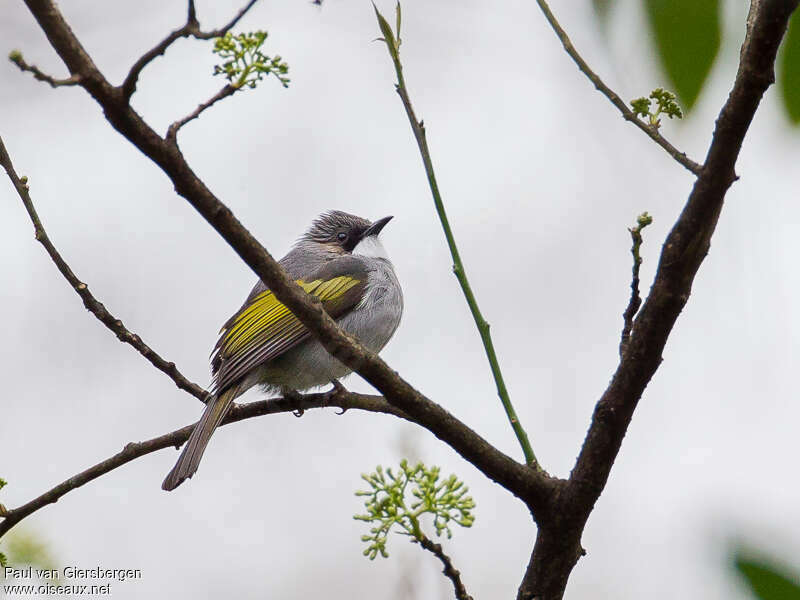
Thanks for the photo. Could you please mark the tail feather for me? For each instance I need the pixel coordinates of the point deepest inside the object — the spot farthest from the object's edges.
(216, 409)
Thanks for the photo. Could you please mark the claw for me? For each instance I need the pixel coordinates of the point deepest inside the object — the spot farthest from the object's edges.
(337, 389)
(294, 397)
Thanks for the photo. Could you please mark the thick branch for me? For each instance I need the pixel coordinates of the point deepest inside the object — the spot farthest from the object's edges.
(627, 113)
(684, 250)
(190, 29)
(530, 485)
(344, 400)
(89, 301)
(449, 570)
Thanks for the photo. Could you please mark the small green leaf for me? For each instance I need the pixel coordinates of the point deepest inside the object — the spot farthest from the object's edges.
(789, 70)
(687, 39)
(641, 107)
(767, 581)
(399, 19)
(664, 105)
(3, 560)
(386, 30)
(245, 65)
(386, 505)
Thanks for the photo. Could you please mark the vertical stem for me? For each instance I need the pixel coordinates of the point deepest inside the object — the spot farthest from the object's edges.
(458, 266)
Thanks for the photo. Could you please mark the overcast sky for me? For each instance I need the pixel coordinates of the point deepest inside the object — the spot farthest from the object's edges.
(541, 178)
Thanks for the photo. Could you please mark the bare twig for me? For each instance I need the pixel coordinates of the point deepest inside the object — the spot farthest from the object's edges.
(627, 113)
(636, 300)
(215, 33)
(417, 126)
(341, 399)
(226, 91)
(16, 57)
(189, 29)
(449, 570)
(89, 301)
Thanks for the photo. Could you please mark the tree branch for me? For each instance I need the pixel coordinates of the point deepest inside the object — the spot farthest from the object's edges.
(189, 29)
(89, 301)
(449, 570)
(558, 545)
(533, 487)
(627, 113)
(238, 412)
(228, 90)
(16, 57)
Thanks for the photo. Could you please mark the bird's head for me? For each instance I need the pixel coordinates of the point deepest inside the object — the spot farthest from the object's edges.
(342, 233)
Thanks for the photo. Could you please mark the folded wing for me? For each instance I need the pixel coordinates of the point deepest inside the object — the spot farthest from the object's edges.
(264, 329)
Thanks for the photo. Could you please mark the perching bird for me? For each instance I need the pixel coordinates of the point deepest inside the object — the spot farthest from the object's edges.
(341, 261)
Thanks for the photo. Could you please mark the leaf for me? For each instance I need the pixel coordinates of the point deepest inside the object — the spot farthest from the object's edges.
(687, 38)
(399, 17)
(789, 70)
(766, 581)
(386, 30)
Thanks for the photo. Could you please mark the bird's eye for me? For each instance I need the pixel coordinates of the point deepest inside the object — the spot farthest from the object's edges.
(342, 236)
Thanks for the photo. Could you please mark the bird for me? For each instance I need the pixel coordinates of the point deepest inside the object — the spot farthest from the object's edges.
(340, 260)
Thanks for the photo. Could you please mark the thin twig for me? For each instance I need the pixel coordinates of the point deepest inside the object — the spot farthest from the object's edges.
(458, 266)
(89, 301)
(449, 570)
(627, 113)
(238, 412)
(636, 300)
(215, 33)
(228, 90)
(16, 58)
(189, 29)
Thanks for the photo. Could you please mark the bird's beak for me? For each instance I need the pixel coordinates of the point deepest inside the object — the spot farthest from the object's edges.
(376, 227)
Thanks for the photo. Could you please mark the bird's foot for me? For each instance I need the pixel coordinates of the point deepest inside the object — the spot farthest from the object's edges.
(297, 398)
(331, 394)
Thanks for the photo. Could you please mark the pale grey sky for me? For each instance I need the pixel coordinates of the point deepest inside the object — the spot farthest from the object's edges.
(541, 177)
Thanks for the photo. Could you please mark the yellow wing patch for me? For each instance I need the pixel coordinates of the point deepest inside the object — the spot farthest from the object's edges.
(266, 313)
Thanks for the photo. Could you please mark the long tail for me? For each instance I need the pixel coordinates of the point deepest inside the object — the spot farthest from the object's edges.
(216, 409)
